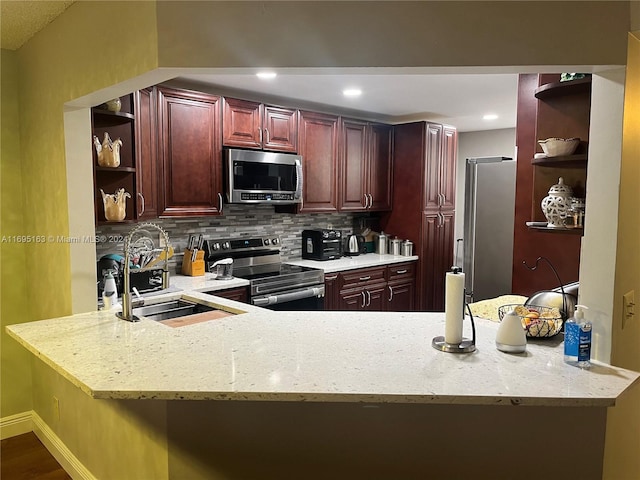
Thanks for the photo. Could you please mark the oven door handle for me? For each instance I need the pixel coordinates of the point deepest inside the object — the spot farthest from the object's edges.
(288, 296)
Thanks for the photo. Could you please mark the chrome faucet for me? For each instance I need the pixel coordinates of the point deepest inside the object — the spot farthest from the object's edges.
(142, 245)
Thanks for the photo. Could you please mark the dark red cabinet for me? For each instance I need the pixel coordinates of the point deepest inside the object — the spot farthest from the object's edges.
(249, 124)
(189, 153)
(365, 166)
(318, 145)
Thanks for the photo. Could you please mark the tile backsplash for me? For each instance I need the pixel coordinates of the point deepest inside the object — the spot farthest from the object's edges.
(237, 221)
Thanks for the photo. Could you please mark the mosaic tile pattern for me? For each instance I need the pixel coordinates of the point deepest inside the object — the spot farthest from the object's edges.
(237, 221)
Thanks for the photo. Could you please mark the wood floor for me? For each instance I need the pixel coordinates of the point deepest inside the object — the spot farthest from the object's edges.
(23, 457)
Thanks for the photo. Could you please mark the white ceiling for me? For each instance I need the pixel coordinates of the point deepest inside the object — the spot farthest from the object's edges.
(460, 100)
(393, 95)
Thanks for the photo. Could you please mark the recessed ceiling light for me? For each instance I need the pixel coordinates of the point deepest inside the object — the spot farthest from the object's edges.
(490, 116)
(266, 75)
(352, 92)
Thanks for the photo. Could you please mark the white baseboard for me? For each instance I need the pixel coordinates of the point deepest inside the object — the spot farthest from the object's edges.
(17, 424)
(59, 450)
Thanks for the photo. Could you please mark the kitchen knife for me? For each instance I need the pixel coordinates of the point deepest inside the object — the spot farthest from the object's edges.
(200, 241)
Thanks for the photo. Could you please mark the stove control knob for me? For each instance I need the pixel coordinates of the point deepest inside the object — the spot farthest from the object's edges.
(266, 241)
(216, 246)
(274, 241)
(226, 245)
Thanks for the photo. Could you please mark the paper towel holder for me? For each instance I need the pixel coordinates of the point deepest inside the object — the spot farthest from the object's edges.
(466, 345)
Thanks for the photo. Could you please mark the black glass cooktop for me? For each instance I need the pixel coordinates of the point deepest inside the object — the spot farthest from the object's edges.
(272, 270)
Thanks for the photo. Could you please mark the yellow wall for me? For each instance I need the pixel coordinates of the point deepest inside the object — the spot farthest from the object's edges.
(623, 423)
(15, 373)
(92, 46)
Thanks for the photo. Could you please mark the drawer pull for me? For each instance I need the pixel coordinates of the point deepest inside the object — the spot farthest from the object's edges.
(400, 272)
(368, 277)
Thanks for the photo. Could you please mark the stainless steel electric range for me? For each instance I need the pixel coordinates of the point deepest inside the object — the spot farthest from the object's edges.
(273, 284)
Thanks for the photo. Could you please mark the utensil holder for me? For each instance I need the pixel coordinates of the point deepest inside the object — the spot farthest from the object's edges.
(193, 268)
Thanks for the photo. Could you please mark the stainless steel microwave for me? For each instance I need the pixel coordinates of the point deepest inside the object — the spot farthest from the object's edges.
(253, 176)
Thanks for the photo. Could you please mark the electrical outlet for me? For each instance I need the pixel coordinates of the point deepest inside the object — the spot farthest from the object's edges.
(628, 307)
(56, 408)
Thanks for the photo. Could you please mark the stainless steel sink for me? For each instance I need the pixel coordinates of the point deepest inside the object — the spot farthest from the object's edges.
(172, 309)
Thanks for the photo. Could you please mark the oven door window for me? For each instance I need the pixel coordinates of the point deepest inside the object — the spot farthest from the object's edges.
(270, 177)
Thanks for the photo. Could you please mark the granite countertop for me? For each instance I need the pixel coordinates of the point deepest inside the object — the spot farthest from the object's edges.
(378, 357)
(350, 263)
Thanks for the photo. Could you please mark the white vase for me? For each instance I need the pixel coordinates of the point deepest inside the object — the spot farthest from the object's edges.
(556, 204)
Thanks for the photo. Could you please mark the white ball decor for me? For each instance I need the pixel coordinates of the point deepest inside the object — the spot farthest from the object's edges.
(556, 204)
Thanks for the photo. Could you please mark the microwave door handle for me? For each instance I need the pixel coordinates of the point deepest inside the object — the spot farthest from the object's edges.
(298, 193)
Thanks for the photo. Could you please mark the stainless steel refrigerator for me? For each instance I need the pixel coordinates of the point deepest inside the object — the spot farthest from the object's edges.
(490, 186)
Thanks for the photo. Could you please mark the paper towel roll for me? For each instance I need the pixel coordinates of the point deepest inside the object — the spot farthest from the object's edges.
(454, 308)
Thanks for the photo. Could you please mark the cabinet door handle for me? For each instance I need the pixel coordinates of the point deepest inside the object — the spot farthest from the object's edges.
(366, 200)
(368, 277)
(266, 134)
(390, 293)
(370, 200)
(141, 203)
(363, 299)
(220, 204)
(331, 278)
(260, 135)
(368, 298)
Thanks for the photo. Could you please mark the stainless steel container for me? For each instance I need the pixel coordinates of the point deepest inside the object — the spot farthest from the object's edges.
(407, 248)
(396, 246)
(382, 246)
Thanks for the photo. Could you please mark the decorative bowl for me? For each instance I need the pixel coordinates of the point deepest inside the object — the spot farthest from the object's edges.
(555, 147)
(538, 322)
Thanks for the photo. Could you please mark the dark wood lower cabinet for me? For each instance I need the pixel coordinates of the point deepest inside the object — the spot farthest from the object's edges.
(331, 291)
(437, 258)
(239, 294)
(401, 296)
(389, 288)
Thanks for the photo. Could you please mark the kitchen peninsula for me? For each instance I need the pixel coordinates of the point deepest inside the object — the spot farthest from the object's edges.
(266, 394)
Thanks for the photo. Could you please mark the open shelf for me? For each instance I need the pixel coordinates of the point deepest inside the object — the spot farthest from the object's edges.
(545, 229)
(115, 169)
(570, 161)
(563, 88)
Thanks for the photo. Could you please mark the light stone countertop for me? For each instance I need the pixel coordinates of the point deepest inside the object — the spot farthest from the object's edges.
(377, 357)
(350, 263)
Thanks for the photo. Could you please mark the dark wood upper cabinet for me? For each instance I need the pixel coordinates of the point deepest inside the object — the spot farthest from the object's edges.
(189, 153)
(146, 154)
(318, 145)
(365, 166)
(448, 164)
(280, 129)
(380, 166)
(353, 165)
(440, 181)
(247, 124)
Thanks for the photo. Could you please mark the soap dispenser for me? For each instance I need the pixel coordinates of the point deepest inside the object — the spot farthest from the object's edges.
(511, 337)
(577, 339)
(110, 292)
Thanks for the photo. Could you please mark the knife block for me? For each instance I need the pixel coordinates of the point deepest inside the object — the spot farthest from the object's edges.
(193, 268)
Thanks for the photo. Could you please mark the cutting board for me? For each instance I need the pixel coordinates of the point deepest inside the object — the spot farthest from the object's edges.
(197, 318)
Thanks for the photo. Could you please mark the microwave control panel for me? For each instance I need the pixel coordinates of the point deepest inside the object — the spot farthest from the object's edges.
(266, 196)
